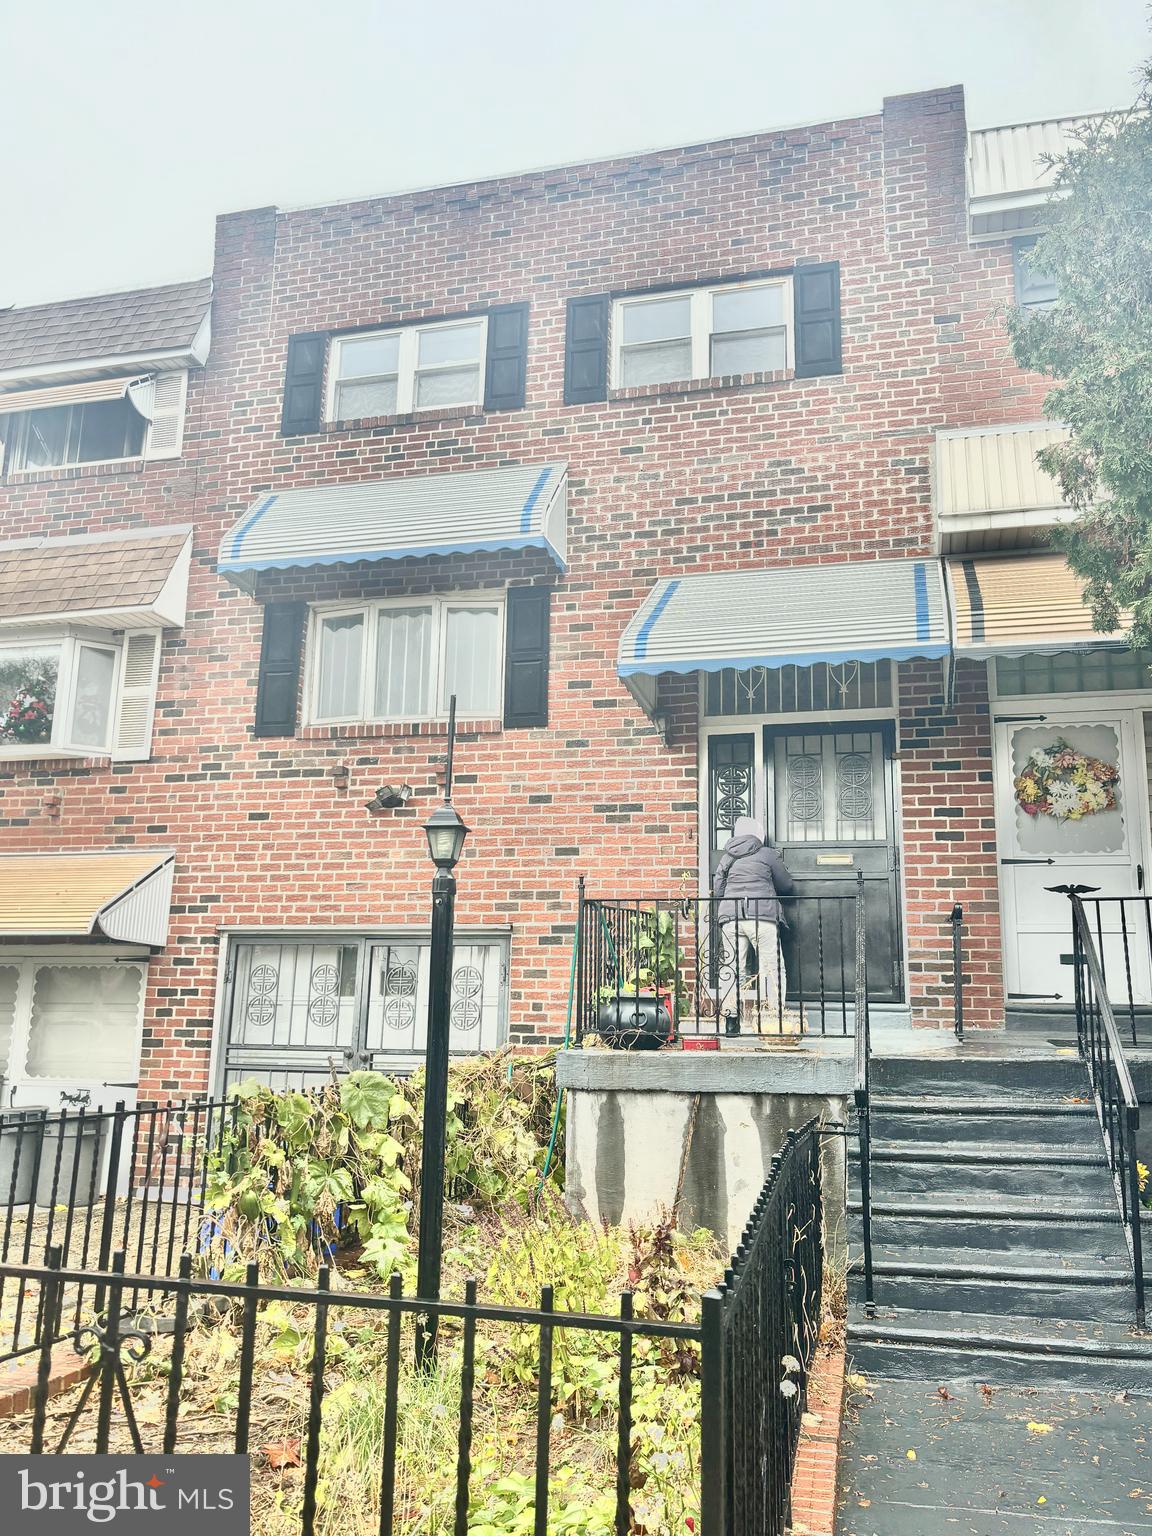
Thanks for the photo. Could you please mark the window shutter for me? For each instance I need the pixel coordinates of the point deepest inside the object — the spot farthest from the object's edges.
(166, 434)
(136, 704)
(816, 291)
(506, 358)
(303, 385)
(526, 657)
(279, 678)
(586, 350)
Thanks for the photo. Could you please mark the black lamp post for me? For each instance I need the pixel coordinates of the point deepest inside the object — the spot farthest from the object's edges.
(446, 833)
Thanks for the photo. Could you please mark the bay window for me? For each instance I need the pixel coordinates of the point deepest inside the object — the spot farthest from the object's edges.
(401, 660)
(419, 367)
(702, 333)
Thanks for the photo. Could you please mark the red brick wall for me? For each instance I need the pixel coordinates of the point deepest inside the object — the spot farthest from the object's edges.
(696, 478)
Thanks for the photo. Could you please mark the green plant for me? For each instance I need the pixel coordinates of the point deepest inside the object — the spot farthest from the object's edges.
(648, 959)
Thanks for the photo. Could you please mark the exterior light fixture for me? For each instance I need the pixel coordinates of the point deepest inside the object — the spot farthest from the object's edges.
(389, 797)
(445, 832)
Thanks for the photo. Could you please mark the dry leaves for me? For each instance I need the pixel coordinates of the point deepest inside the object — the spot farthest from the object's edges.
(281, 1453)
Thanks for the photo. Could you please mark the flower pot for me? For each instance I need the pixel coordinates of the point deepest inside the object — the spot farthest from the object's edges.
(640, 1022)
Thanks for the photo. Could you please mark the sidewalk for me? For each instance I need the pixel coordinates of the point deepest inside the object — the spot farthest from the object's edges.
(994, 1462)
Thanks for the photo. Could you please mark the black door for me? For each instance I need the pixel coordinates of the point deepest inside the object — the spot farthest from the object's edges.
(832, 810)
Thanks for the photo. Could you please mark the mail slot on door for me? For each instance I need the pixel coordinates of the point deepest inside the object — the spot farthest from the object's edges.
(839, 860)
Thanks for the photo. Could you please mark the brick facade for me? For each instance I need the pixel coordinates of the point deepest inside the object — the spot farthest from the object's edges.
(672, 480)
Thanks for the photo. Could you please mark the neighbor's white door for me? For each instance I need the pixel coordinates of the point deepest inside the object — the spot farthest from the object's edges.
(1047, 847)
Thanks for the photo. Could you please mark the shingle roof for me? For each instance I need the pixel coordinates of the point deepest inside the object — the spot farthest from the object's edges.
(86, 574)
(114, 324)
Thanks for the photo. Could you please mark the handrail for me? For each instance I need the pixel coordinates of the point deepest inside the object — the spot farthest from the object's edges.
(956, 918)
(863, 1045)
(1117, 1105)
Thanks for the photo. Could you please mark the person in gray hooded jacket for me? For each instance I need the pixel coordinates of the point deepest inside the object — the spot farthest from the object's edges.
(750, 879)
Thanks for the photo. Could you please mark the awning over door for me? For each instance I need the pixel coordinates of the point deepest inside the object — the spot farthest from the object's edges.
(395, 519)
(867, 610)
(1013, 606)
(121, 896)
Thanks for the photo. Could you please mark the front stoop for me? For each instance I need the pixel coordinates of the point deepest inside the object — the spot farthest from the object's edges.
(18, 1379)
(814, 1474)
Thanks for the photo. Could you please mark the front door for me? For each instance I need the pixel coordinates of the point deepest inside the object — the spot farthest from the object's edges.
(1070, 812)
(832, 810)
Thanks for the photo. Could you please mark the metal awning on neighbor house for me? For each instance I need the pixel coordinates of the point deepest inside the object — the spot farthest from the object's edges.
(1013, 606)
(867, 610)
(397, 518)
(121, 896)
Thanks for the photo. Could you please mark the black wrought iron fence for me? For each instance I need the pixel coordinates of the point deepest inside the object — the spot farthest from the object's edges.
(1117, 1105)
(749, 1355)
(92, 1183)
(653, 967)
(1121, 928)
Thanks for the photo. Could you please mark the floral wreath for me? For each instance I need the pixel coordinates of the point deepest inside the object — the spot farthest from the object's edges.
(1060, 782)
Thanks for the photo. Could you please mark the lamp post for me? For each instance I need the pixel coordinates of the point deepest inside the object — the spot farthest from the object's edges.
(446, 833)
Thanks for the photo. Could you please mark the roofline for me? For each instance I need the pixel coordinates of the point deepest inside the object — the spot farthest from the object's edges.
(1041, 122)
(105, 293)
(185, 356)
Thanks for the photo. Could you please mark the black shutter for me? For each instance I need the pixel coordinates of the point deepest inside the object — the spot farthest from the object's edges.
(526, 656)
(506, 358)
(817, 294)
(303, 385)
(586, 350)
(279, 669)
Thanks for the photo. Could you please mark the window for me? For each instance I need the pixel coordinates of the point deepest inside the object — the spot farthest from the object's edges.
(421, 367)
(799, 690)
(1095, 671)
(704, 333)
(404, 660)
(146, 421)
(74, 694)
(1034, 288)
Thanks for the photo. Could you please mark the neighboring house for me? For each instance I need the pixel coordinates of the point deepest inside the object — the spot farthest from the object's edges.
(704, 479)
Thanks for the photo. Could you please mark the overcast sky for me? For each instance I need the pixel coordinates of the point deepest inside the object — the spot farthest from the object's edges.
(130, 125)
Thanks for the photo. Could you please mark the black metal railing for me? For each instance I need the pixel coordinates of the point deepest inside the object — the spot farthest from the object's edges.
(1122, 930)
(95, 1182)
(862, 1097)
(750, 1352)
(1117, 1106)
(699, 965)
(956, 919)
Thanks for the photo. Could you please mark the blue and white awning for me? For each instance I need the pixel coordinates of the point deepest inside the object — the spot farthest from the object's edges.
(399, 518)
(865, 610)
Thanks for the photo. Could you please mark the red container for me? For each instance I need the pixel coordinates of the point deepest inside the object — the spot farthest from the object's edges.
(700, 1042)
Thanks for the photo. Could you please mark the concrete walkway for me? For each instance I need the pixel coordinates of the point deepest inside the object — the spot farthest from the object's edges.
(994, 1462)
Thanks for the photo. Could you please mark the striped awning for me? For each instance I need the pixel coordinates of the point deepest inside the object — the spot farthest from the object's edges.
(866, 610)
(121, 896)
(1013, 606)
(138, 391)
(398, 518)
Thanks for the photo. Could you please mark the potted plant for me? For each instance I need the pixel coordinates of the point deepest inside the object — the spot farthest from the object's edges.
(638, 1007)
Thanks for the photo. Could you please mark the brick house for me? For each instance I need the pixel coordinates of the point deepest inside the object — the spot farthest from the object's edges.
(703, 478)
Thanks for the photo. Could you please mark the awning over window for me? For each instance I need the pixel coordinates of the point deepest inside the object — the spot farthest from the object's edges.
(787, 616)
(1013, 606)
(139, 393)
(135, 580)
(121, 896)
(395, 519)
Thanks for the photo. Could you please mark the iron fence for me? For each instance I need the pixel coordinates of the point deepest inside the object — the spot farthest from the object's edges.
(650, 968)
(750, 1354)
(1121, 928)
(1117, 1105)
(95, 1182)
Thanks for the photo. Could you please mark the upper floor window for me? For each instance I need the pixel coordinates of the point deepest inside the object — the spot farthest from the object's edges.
(76, 693)
(1033, 286)
(418, 367)
(105, 421)
(404, 660)
(702, 333)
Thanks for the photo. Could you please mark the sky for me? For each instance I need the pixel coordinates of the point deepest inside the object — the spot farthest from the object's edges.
(131, 125)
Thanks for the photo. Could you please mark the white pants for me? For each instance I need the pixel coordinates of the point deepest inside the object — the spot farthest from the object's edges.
(769, 984)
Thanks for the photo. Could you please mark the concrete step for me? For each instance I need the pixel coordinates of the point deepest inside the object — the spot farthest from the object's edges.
(1000, 1350)
(1040, 1237)
(988, 1169)
(955, 1123)
(987, 1281)
(1011, 1078)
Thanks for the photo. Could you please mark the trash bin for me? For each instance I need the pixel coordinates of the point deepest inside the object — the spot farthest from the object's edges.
(83, 1144)
(21, 1138)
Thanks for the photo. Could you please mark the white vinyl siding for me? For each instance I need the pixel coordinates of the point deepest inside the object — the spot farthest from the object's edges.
(401, 660)
(702, 333)
(419, 367)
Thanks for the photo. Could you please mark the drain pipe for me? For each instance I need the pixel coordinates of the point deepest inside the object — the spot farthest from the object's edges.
(957, 921)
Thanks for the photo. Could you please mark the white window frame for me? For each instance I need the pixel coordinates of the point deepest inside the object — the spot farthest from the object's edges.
(143, 456)
(700, 324)
(70, 643)
(407, 366)
(441, 604)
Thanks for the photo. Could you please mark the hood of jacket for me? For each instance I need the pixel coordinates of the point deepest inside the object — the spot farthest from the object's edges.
(740, 847)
